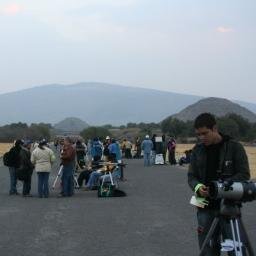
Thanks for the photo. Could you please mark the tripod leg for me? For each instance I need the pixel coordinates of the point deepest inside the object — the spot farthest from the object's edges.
(75, 181)
(209, 235)
(236, 237)
(58, 175)
(246, 239)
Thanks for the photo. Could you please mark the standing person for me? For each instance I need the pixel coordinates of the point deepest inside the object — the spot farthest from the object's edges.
(43, 157)
(217, 156)
(13, 162)
(128, 149)
(106, 143)
(68, 155)
(147, 146)
(80, 154)
(96, 149)
(164, 147)
(153, 155)
(138, 147)
(25, 170)
(171, 146)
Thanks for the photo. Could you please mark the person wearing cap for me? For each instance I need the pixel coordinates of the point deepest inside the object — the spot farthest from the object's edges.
(106, 144)
(43, 157)
(147, 146)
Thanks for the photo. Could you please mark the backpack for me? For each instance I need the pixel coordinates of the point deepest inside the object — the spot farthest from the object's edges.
(7, 159)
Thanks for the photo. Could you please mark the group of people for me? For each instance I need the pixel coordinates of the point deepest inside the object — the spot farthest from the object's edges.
(150, 147)
(22, 159)
(215, 157)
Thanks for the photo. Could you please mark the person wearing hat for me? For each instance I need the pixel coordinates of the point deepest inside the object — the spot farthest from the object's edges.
(43, 157)
(147, 146)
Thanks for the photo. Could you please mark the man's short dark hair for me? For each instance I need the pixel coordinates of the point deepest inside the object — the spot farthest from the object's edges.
(205, 120)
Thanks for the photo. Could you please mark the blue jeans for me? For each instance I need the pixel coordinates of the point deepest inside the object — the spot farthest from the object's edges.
(146, 157)
(93, 179)
(43, 184)
(68, 180)
(13, 180)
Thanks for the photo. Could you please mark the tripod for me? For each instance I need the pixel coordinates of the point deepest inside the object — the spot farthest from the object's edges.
(231, 212)
(59, 175)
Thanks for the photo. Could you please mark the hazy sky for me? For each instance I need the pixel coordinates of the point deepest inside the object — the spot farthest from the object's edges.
(196, 47)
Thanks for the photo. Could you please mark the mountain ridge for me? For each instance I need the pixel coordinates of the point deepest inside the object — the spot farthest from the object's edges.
(217, 106)
(96, 103)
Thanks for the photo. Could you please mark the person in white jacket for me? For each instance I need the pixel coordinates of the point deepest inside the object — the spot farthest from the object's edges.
(43, 157)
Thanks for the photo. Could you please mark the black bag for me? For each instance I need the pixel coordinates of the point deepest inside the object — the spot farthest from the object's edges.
(7, 159)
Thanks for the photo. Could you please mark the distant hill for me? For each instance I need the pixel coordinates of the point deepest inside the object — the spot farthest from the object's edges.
(96, 103)
(71, 124)
(217, 106)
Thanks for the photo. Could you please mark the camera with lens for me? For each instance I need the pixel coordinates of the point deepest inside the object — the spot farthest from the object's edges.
(234, 191)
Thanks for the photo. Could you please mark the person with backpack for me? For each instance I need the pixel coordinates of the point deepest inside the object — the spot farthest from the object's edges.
(12, 161)
(43, 157)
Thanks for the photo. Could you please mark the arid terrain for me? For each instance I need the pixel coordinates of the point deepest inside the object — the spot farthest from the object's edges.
(250, 150)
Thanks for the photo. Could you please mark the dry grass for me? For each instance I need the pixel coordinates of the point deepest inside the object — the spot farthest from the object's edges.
(4, 147)
(250, 150)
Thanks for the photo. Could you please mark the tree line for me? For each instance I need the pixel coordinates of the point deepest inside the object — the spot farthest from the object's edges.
(11, 132)
(234, 125)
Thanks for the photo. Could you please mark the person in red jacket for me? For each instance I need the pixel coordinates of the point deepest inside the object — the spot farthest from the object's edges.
(68, 155)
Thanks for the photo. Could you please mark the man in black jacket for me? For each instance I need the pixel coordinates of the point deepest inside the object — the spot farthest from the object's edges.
(25, 170)
(14, 163)
(216, 157)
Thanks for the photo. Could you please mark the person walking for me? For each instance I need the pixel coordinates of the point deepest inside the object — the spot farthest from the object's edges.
(147, 147)
(43, 157)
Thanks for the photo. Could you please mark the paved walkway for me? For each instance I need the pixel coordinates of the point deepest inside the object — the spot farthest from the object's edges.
(155, 219)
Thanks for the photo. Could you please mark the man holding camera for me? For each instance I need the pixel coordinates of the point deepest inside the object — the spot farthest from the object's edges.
(216, 157)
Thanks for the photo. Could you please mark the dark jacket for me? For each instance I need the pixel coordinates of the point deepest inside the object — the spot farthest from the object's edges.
(233, 163)
(25, 169)
(14, 155)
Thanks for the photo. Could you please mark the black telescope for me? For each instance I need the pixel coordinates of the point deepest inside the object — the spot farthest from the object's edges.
(235, 191)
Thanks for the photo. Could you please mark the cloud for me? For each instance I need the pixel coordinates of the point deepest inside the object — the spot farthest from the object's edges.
(60, 15)
(11, 9)
(223, 29)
